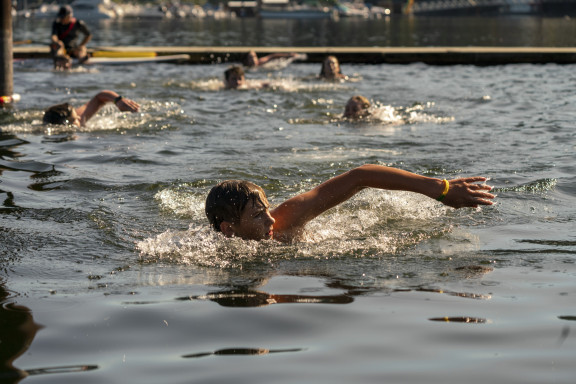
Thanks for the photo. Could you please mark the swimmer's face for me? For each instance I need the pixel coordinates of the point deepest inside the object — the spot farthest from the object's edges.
(252, 59)
(331, 67)
(235, 81)
(356, 109)
(75, 119)
(256, 223)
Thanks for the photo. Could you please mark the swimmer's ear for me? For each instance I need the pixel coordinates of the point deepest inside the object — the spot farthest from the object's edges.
(226, 229)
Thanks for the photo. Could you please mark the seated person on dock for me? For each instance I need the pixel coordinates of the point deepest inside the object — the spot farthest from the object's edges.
(331, 69)
(252, 59)
(240, 208)
(68, 115)
(357, 107)
(234, 77)
(63, 45)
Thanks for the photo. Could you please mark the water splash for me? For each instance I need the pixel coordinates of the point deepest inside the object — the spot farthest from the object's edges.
(182, 202)
(380, 115)
(372, 224)
(541, 185)
(415, 114)
(152, 115)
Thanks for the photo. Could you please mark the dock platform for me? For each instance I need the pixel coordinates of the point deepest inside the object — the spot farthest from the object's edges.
(481, 56)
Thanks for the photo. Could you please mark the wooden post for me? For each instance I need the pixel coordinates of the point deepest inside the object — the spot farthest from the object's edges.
(6, 59)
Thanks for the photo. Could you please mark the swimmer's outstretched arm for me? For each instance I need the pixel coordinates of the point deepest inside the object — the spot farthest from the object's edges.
(273, 56)
(88, 110)
(294, 213)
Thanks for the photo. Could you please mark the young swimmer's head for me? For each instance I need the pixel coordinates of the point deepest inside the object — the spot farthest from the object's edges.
(239, 208)
(61, 114)
(234, 77)
(357, 107)
(330, 68)
(251, 59)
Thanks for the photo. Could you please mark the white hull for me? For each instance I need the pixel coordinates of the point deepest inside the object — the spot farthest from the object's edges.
(295, 13)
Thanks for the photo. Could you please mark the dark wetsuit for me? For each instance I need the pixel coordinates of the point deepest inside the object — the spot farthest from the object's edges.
(68, 34)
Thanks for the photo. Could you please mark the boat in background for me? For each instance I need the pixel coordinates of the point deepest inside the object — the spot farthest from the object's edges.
(353, 9)
(83, 10)
(43, 11)
(285, 9)
(147, 11)
(95, 9)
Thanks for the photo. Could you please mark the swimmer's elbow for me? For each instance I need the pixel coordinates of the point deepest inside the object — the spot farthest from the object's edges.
(362, 176)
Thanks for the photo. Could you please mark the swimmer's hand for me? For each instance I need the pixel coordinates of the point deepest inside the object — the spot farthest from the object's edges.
(300, 56)
(127, 105)
(466, 192)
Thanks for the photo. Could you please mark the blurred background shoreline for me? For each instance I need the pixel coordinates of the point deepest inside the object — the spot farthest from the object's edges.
(298, 9)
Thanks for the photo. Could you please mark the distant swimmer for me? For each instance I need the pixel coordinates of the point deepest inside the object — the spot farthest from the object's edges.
(331, 69)
(252, 60)
(65, 114)
(239, 208)
(234, 77)
(357, 107)
(63, 45)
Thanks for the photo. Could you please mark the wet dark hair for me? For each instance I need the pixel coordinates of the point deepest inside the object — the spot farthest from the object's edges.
(237, 70)
(246, 60)
(58, 114)
(364, 103)
(227, 200)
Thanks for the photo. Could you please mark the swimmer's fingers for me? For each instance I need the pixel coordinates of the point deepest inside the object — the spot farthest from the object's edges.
(469, 201)
(483, 198)
(473, 179)
(481, 187)
(127, 105)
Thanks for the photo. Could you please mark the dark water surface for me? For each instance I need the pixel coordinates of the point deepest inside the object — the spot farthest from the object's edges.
(108, 272)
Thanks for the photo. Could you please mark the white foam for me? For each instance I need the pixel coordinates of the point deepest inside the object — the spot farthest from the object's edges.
(371, 224)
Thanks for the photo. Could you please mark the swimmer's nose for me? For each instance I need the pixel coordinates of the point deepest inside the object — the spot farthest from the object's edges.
(271, 219)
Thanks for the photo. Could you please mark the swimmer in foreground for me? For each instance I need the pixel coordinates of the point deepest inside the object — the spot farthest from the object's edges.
(67, 115)
(331, 69)
(240, 208)
(357, 107)
(252, 59)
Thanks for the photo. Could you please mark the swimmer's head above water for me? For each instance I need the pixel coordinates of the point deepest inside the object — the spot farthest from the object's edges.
(61, 114)
(357, 107)
(239, 208)
(251, 59)
(331, 69)
(234, 77)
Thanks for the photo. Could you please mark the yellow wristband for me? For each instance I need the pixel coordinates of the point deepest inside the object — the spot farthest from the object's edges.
(445, 191)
